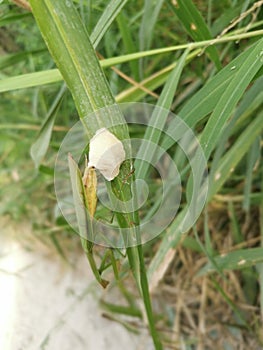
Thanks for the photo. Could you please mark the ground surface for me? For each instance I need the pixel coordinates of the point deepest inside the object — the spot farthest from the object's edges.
(47, 304)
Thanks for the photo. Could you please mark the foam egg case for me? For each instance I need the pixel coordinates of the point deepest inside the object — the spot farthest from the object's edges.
(106, 153)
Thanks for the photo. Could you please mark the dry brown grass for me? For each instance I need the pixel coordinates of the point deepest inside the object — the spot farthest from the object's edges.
(205, 311)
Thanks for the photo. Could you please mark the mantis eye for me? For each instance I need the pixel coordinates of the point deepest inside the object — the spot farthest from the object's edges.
(106, 153)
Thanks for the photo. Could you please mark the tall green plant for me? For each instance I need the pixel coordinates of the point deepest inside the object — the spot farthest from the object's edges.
(70, 46)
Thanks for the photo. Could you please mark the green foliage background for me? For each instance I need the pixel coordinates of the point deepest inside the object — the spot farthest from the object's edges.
(216, 89)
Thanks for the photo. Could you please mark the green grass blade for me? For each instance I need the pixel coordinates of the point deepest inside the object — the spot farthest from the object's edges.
(69, 44)
(147, 300)
(109, 14)
(172, 238)
(14, 18)
(235, 260)
(230, 160)
(150, 14)
(235, 154)
(61, 26)
(252, 101)
(173, 235)
(159, 117)
(195, 26)
(29, 80)
(123, 310)
(191, 46)
(209, 256)
(128, 42)
(234, 224)
(52, 76)
(207, 234)
(205, 100)
(11, 59)
(166, 98)
(230, 97)
(249, 106)
(40, 146)
(253, 157)
(248, 68)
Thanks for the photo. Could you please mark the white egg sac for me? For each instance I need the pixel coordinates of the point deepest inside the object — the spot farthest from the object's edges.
(106, 153)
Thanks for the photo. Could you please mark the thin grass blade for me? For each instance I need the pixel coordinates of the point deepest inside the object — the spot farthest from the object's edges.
(159, 117)
(195, 26)
(235, 260)
(234, 155)
(246, 72)
(108, 16)
(40, 146)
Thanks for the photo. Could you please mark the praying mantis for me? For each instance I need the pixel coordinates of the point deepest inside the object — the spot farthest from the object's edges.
(89, 180)
(106, 153)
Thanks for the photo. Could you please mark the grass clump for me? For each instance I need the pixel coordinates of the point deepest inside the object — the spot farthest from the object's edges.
(201, 62)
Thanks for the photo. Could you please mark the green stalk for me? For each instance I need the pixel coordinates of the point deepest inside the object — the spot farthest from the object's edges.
(53, 75)
(75, 57)
(147, 300)
(89, 254)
